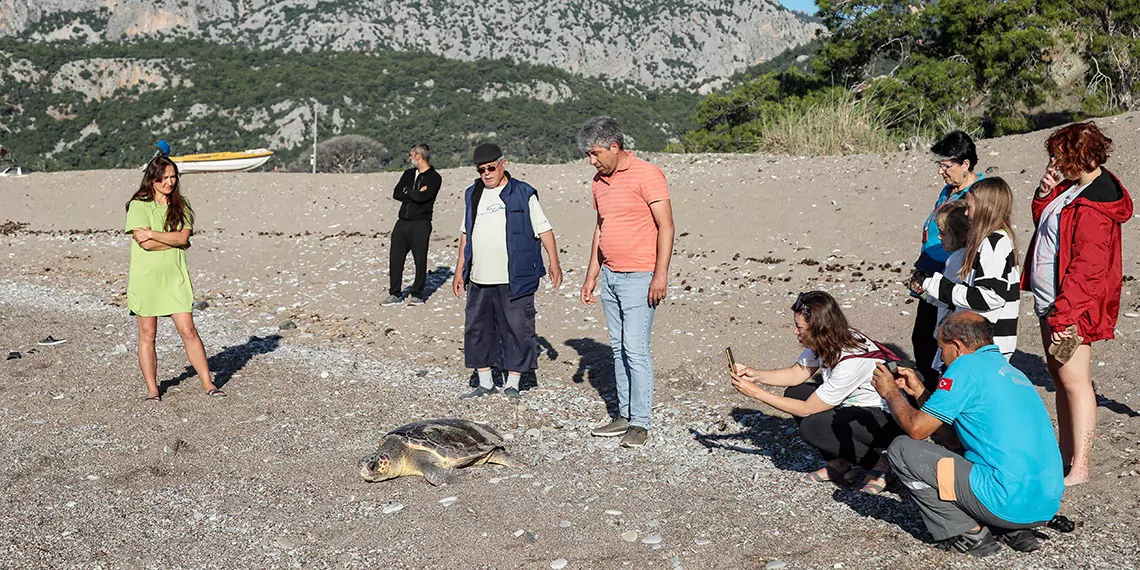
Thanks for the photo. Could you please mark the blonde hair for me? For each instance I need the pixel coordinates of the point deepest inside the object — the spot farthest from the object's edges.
(953, 224)
(993, 210)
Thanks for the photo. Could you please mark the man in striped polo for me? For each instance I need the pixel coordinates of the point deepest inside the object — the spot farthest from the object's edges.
(631, 249)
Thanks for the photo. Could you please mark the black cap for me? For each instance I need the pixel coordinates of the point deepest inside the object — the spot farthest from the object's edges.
(487, 152)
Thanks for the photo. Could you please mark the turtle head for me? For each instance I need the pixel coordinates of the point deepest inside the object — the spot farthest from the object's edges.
(377, 467)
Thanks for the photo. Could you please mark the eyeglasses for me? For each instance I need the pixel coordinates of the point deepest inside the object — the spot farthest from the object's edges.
(945, 164)
(490, 168)
(801, 307)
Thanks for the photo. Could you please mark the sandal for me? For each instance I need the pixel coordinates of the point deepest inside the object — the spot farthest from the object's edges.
(828, 474)
(872, 486)
(153, 399)
(216, 393)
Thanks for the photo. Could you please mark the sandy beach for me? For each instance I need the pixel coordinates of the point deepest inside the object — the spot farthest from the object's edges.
(267, 478)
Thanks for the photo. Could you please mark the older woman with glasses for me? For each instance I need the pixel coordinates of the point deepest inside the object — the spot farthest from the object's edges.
(955, 157)
(843, 417)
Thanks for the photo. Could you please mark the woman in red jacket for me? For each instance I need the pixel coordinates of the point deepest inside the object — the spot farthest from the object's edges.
(1073, 269)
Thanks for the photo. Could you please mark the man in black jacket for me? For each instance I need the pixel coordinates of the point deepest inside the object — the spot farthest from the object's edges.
(416, 191)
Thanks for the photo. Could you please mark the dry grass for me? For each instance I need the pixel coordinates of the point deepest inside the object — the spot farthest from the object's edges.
(838, 125)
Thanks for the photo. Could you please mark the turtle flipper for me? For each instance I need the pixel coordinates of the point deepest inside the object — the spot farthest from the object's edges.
(437, 475)
(501, 457)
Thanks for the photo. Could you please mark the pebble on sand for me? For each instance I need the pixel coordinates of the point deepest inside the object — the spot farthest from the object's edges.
(448, 501)
(558, 564)
(629, 536)
(652, 539)
(775, 565)
(392, 508)
(614, 513)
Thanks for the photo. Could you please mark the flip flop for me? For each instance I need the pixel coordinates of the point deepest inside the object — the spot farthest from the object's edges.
(51, 341)
(154, 399)
(870, 484)
(216, 393)
(833, 475)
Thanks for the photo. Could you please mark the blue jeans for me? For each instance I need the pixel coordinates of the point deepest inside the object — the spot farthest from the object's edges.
(625, 299)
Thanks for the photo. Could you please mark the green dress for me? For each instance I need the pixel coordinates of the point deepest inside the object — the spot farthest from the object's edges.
(159, 284)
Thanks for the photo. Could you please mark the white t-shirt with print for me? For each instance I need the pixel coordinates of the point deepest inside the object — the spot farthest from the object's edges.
(489, 238)
(849, 382)
(1043, 271)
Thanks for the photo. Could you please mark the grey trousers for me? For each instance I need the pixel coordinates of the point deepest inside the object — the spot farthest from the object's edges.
(916, 463)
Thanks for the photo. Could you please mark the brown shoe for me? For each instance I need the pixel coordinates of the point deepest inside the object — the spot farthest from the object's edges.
(613, 429)
(635, 436)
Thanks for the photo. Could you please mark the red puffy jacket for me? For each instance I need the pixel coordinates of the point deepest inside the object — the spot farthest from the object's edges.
(1089, 262)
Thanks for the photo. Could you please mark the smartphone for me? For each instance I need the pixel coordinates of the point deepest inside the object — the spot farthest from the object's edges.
(731, 360)
(893, 366)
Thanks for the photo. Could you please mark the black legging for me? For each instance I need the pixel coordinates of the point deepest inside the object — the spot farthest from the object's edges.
(856, 434)
(922, 339)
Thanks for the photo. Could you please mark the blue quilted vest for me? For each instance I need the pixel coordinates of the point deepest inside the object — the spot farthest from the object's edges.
(524, 251)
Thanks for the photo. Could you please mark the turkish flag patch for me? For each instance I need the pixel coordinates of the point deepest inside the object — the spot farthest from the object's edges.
(945, 383)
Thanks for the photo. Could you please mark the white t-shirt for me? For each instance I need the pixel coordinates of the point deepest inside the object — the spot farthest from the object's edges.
(1043, 272)
(849, 382)
(489, 239)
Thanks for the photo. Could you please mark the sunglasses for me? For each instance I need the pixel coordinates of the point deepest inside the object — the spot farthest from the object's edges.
(801, 307)
(489, 168)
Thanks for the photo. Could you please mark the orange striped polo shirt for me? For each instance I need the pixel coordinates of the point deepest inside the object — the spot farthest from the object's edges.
(629, 234)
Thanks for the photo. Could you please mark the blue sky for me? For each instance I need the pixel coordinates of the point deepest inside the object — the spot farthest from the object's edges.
(801, 5)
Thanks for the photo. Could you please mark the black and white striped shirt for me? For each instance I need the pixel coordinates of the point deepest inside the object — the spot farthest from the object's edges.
(992, 289)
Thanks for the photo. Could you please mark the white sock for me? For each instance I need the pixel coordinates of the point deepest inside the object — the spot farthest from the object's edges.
(513, 380)
(485, 380)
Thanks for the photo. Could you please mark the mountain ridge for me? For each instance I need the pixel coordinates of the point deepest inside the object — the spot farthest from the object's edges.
(687, 44)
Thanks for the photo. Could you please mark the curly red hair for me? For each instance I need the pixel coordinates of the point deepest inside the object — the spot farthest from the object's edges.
(1079, 148)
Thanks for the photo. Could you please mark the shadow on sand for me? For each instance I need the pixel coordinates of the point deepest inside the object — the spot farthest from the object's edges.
(770, 436)
(230, 360)
(1038, 372)
(776, 438)
(596, 366)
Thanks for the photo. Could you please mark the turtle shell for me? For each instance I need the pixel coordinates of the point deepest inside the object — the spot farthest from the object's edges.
(456, 442)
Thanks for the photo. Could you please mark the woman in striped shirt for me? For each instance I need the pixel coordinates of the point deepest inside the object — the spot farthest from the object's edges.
(990, 274)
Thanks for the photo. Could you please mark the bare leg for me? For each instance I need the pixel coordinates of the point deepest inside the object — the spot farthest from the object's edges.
(195, 352)
(1076, 383)
(148, 360)
(1076, 408)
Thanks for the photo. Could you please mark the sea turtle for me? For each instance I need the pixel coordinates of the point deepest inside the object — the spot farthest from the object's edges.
(434, 449)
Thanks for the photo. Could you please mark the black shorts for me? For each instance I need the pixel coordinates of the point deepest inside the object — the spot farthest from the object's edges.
(498, 332)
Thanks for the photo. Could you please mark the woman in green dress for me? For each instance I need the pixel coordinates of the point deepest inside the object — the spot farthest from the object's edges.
(159, 220)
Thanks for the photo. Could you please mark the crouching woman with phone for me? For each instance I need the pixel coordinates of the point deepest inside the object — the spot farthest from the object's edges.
(843, 417)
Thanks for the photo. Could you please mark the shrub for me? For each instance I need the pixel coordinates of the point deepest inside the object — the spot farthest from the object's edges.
(348, 154)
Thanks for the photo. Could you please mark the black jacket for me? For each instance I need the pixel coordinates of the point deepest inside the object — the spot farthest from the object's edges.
(417, 195)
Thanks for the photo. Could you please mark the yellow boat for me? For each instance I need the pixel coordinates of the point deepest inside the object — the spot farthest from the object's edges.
(223, 161)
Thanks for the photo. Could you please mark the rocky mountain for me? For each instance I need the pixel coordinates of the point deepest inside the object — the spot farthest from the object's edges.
(688, 44)
(67, 105)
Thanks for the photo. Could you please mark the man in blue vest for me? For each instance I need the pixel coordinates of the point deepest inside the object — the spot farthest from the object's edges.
(1008, 479)
(500, 264)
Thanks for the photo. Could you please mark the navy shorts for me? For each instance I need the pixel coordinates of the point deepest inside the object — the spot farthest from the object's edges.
(498, 332)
